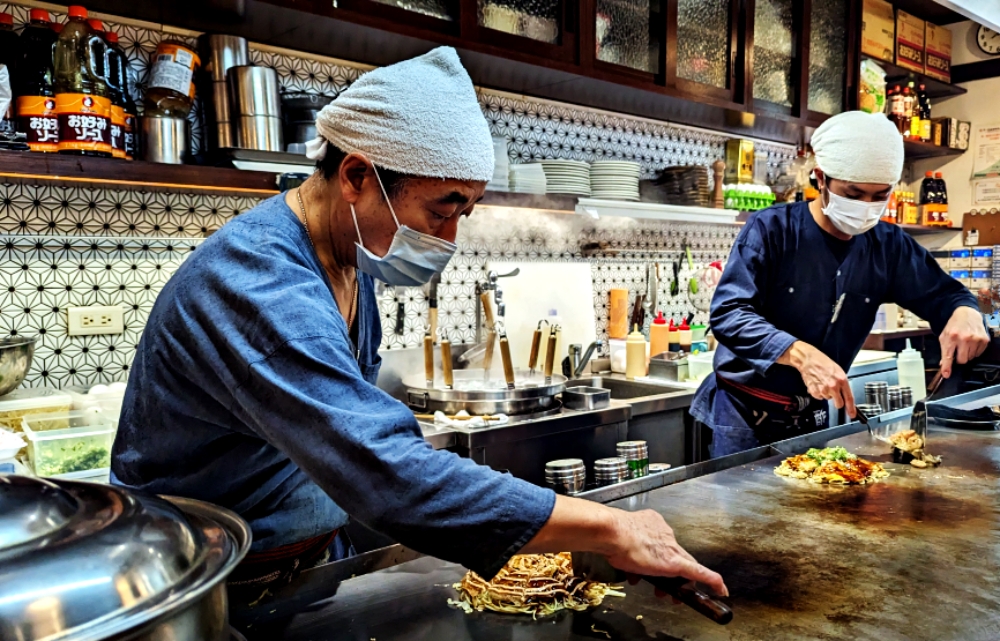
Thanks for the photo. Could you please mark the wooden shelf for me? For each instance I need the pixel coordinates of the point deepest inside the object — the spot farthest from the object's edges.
(119, 173)
(916, 150)
(923, 230)
(549, 202)
(936, 89)
(929, 10)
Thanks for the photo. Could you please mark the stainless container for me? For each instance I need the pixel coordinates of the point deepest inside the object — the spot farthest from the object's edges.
(870, 409)
(906, 395)
(89, 561)
(254, 91)
(636, 453)
(586, 398)
(16, 353)
(531, 394)
(877, 393)
(220, 102)
(895, 396)
(262, 133)
(299, 111)
(165, 140)
(566, 476)
(608, 471)
(220, 52)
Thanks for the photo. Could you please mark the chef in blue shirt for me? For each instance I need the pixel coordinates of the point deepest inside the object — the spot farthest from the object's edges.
(253, 386)
(802, 286)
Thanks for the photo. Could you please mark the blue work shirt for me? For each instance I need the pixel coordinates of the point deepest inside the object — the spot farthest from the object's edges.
(247, 391)
(785, 282)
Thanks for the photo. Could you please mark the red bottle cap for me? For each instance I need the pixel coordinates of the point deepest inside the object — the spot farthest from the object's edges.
(111, 37)
(672, 326)
(938, 175)
(96, 25)
(659, 320)
(929, 174)
(76, 11)
(39, 15)
(57, 27)
(6, 18)
(684, 326)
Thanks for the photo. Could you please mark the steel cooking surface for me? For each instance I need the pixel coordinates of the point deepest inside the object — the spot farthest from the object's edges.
(916, 556)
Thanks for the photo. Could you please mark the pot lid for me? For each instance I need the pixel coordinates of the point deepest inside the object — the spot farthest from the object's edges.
(88, 561)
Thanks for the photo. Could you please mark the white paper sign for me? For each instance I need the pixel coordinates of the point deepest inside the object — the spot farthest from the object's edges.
(986, 192)
(986, 151)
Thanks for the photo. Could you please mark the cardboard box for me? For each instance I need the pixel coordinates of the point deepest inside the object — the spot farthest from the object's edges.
(982, 257)
(909, 41)
(937, 58)
(945, 132)
(964, 133)
(980, 279)
(878, 30)
(739, 161)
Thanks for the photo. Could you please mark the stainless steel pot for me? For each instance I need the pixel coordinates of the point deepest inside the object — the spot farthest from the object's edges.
(254, 91)
(530, 395)
(87, 561)
(220, 52)
(165, 140)
(16, 353)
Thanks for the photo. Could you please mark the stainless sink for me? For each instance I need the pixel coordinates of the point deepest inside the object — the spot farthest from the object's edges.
(623, 389)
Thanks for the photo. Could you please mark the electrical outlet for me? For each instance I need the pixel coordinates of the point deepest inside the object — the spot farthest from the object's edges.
(99, 319)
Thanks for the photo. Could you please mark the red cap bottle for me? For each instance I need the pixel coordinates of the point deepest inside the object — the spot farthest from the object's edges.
(76, 11)
(111, 37)
(660, 320)
(96, 25)
(7, 19)
(684, 326)
(39, 15)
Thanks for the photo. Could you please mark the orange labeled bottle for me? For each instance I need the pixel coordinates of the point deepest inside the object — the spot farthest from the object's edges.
(83, 107)
(170, 92)
(36, 102)
(123, 111)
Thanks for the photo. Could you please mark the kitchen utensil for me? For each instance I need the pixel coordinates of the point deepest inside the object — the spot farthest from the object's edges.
(254, 91)
(566, 476)
(638, 314)
(550, 353)
(608, 471)
(595, 567)
(536, 343)
(918, 419)
(692, 280)
(491, 334)
(531, 394)
(220, 52)
(16, 353)
(432, 304)
(508, 366)
(429, 360)
(582, 397)
(70, 549)
(446, 372)
(399, 294)
(877, 393)
(675, 287)
(164, 140)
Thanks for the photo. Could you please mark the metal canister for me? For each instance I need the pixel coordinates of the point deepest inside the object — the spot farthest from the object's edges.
(636, 453)
(165, 140)
(566, 476)
(870, 409)
(877, 393)
(608, 471)
(895, 396)
(907, 396)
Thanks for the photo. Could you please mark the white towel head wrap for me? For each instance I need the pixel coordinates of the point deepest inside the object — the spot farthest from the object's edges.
(418, 117)
(859, 147)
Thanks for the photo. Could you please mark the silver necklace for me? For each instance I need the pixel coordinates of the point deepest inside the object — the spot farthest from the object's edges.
(354, 295)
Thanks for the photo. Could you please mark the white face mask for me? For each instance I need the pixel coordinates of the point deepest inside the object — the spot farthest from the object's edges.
(853, 217)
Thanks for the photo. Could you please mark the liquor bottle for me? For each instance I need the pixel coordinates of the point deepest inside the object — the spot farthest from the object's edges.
(897, 108)
(924, 103)
(914, 114)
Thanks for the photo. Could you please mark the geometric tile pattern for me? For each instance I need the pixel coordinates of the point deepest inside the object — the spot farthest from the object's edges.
(64, 246)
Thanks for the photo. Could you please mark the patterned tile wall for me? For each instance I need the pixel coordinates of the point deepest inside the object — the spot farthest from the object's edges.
(67, 246)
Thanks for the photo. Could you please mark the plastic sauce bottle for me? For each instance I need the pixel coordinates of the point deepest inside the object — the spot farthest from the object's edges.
(9, 54)
(35, 90)
(659, 335)
(685, 336)
(118, 62)
(675, 337)
(635, 354)
(910, 364)
(82, 103)
(171, 81)
(107, 60)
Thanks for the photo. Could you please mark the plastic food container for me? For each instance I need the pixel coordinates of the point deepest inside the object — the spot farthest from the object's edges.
(700, 365)
(14, 407)
(68, 442)
(107, 398)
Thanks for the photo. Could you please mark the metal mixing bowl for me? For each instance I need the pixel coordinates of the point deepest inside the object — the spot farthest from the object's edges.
(15, 361)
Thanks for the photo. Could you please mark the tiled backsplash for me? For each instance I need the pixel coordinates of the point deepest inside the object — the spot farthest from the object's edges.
(68, 246)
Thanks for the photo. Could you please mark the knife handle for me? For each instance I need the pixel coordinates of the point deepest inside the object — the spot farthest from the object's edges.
(550, 351)
(429, 359)
(536, 342)
(508, 364)
(449, 379)
(491, 339)
(487, 309)
(432, 321)
(688, 593)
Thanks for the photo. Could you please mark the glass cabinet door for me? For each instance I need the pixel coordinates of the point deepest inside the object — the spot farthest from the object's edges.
(703, 41)
(441, 9)
(627, 33)
(827, 56)
(535, 19)
(773, 52)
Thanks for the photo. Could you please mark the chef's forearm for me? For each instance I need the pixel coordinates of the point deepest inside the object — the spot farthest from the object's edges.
(579, 526)
(795, 355)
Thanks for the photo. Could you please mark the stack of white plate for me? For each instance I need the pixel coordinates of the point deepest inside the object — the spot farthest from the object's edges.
(615, 180)
(567, 177)
(501, 167)
(528, 178)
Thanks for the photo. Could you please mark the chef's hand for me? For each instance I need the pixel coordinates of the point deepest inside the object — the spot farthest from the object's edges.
(963, 338)
(824, 379)
(636, 542)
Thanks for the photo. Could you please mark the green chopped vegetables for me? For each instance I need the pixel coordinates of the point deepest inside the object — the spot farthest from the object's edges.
(76, 457)
(821, 456)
